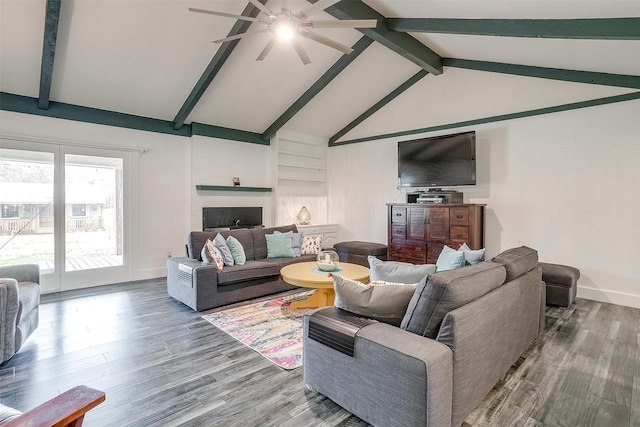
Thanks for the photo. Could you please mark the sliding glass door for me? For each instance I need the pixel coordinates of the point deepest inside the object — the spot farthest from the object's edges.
(65, 208)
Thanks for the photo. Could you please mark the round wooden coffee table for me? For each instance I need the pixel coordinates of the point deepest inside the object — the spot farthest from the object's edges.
(307, 275)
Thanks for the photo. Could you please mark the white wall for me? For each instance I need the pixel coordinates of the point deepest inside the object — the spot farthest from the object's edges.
(566, 184)
(216, 162)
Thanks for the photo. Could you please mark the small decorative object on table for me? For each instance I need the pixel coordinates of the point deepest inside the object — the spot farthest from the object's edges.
(303, 217)
(236, 181)
(327, 260)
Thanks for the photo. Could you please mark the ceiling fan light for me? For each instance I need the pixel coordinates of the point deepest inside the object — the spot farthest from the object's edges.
(284, 30)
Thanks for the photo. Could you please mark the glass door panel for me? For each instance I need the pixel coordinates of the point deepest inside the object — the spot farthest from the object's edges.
(93, 212)
(26, 208)
(66, 209)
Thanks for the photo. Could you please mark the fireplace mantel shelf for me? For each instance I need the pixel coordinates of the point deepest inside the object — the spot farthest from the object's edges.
(232, 188)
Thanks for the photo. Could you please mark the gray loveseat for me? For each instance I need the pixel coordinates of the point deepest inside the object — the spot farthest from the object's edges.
(476, 321)
(19, 306)
(201, 286)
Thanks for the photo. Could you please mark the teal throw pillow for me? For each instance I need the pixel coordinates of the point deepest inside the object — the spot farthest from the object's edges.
(279, 245)
(450, 259)
(237, 251)
(398, 272)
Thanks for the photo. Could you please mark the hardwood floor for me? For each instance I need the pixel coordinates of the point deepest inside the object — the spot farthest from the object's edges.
(160, 364)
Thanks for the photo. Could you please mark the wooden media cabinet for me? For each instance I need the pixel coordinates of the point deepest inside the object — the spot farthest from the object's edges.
(417, 232)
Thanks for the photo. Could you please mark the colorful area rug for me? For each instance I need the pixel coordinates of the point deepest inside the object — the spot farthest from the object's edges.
(269, 327)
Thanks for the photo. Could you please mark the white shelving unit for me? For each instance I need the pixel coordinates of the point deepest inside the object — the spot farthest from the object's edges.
(299, 165)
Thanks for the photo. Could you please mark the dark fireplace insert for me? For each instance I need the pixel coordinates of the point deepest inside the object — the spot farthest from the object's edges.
(231, 218)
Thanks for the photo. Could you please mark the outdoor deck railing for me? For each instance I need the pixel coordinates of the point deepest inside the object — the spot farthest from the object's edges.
(27, 226)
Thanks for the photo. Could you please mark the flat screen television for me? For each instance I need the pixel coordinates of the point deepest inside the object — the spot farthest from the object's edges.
(439, 161)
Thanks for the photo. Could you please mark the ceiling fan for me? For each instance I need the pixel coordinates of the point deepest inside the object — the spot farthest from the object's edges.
(289, 26)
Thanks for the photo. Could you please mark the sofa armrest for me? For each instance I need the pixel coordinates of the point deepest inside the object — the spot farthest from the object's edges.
(9, 305)
(395, 378)
(21, 272)
(192, 282)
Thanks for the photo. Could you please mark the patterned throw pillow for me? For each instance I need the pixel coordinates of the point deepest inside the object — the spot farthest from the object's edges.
(311, 245)
(211, 255)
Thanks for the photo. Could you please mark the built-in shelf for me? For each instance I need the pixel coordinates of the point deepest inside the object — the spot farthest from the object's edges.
(232, 188)
(299, 166)
(293, 153)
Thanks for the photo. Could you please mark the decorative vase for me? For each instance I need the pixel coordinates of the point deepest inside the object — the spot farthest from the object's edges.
(303, 217)
(327, 260)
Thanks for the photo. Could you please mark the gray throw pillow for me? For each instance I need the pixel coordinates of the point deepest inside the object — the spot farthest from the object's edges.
(384, 301)
(472, 256)
(398, 272)
(296, 242)
(221, 244)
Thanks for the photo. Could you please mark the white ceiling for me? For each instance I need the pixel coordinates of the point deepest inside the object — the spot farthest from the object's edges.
(143, 57)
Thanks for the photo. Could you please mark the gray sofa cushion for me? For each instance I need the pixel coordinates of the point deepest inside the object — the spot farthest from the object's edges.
(517, 261)
(398, 272)
(250, 270)
(446, 291)
(260, 242)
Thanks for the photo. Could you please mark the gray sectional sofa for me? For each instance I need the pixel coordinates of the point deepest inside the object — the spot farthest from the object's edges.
(462, 331)
(19, 306)
(201, 286)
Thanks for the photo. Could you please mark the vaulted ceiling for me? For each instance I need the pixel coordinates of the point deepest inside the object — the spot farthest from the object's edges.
(428, 65)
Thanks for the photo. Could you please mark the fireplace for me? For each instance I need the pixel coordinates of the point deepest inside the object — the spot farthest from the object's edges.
(231, 218)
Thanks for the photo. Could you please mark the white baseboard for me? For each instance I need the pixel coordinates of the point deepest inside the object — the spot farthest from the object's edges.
(612, 297)
(150, 273)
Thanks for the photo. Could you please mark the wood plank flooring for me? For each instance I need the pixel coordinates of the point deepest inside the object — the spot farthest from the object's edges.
(160, 364)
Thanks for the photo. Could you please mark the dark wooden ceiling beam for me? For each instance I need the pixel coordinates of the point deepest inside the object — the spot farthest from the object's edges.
(401, 43)
(220, 57)
(316, 87)
(52, 16)
(378, 105)
(492, 119)
(589, 77)
(599, 28)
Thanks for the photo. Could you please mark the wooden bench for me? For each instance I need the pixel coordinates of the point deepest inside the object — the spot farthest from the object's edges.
(65, 410)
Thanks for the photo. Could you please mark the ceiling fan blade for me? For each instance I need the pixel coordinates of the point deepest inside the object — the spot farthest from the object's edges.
(300, 51)
(266, 49)
(347, 23)
(227, 15)
(326, 41)
(239, 36)
(285, 7)
(263, 8)
(316, 7)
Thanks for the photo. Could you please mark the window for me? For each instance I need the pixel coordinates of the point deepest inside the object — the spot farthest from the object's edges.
(78, 210)
(10, 211)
